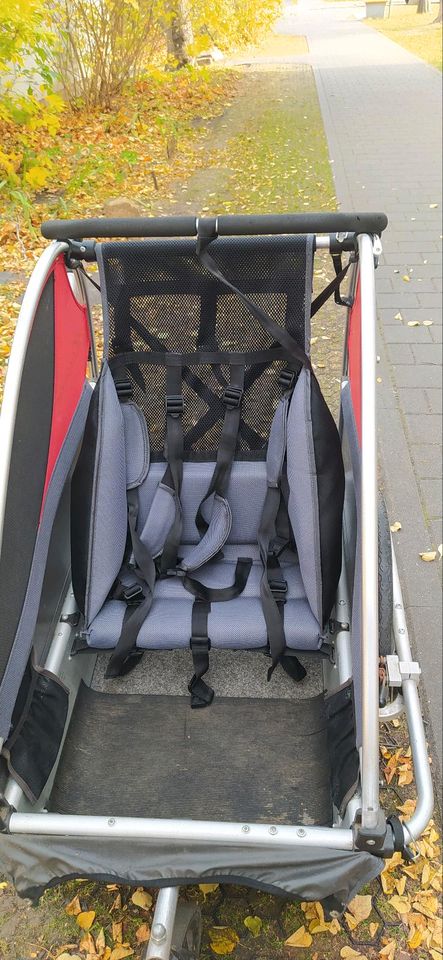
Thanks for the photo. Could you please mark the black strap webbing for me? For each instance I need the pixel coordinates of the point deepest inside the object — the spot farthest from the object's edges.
(138, 599)
(201, 693)
(220, 594)
(228, 441)
(174, 455)
(279, 588)
(271, 612)
(278, 333)
(332, 288)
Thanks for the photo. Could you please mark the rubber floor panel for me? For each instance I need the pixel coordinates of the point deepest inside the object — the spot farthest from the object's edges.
(239, 759)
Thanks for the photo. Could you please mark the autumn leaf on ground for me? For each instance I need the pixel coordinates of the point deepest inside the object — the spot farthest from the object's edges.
(86, 919)
(301, 938)
(254, 925)
(87, 944)
(348, 953)
(400, 904)
(223, 940)
(143, 933)
(68, 956)
(428, 556)
(142, 899)
(73, 908)
(117, 905)
(395, 527)
(388, 952)
(117, 932)
(120, 952)
(100, 942)
(207, 888)
(360, 908)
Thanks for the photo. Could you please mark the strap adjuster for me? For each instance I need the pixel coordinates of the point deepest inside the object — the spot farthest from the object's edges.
(287, 379)
(232, 397)
(279, 589)
(133, 594)
(174, 406)
(123, 388)
(200, 644)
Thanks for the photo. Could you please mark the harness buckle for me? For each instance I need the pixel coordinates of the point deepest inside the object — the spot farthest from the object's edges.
(123, 388)
(133, 595)
(232, 397)
(287, 379)
(279, 589)
(174, 406)
(200, 644)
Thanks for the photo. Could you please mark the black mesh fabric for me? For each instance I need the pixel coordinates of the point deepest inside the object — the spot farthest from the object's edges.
(160, 297)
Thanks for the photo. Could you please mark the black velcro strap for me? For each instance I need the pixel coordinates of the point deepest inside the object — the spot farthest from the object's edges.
(201, 693)
(332, 288)
(220, 594)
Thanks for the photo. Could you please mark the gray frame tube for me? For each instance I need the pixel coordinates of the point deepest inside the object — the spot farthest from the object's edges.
(162, 930)
(16, 363)
(369, 540)
(414, 827)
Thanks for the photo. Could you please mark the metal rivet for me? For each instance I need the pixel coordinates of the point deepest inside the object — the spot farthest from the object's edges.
(273, 830)
(111, 822)
(402, 630)
(245, 829)
(342, 602)
(301, 832)
(158, 933)
(398, 606)
(335, 914)
(371, 843)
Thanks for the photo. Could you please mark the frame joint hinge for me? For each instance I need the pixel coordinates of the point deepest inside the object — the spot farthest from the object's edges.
(399, 670)
(6, 810)
(336, 626)
(72, 619)
(372, 839)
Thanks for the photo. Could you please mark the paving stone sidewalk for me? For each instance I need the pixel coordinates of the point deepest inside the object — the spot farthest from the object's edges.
(381, 108)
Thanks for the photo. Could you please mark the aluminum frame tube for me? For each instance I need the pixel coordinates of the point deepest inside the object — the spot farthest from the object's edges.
(414, 827)
(162, 930)
(369, 540)
(187, 831)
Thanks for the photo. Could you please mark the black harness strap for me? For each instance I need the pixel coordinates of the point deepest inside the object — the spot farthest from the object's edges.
(220, 594)
(333, 287)
(279, 588)
(232, 397)
(174, 455)
(201, 693)
(138, 599)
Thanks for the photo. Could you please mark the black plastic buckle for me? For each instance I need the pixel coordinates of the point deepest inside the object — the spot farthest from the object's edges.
(133, 595)
(174, 406)
(279, 589)
(123, 387)
(232, 397)
(200, 644)
(287, 379)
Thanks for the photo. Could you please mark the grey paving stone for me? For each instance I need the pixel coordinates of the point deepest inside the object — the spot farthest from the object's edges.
(398, 333)
(427, 428)
(414, 400)
(427, 459)
(432, 492)
(435, 400)
(401, 353)
(418, 376)
(427, 353)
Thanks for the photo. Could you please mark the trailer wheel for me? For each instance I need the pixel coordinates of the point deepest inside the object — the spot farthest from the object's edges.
(186, 939)
(385, 585)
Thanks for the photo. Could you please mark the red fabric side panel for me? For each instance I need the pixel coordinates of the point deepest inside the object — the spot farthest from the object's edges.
(354, 354)
(71, 344)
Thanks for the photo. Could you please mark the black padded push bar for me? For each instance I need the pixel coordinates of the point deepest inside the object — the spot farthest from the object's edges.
(333, 223)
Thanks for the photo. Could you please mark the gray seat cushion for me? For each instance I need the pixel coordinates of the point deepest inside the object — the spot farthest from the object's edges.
(237, 624)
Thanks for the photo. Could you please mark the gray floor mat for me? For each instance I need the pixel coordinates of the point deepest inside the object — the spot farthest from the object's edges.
(233, 673)
(240, 759)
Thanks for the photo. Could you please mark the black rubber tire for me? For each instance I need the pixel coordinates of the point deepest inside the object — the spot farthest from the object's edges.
(385, 584)
(186, 939)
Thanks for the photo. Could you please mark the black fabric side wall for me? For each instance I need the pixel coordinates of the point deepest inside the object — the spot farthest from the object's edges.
(331, 491)
(27, 470)
(82, 491)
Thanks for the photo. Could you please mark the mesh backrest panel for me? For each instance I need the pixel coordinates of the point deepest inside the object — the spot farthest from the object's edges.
(158, 296)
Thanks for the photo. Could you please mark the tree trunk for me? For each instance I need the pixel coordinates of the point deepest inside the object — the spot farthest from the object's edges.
(424, 6)
(439, 17)
(179, 33)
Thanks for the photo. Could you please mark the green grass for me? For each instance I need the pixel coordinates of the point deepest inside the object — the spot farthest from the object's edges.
(415, 31)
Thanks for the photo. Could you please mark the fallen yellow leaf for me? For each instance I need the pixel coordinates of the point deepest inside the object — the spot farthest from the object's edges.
(429, 555)
(254, 925)
(120, 952)
(100, 942)
(395, 527)
(117, 932)
(406, 278)
(86, 919)
(398, 316)
(87, 944)
(413, 323)
(73, 908)
(117, 905)
(373, 927)
(223, 940)
(400, 904)
(428, 323)
(360, 907)
(142, 899)
(68, 956)
(301, 938)
(207, 888)
(415, 940)
(389, 950)
(143, 933)
(3, 884)
(348, 953)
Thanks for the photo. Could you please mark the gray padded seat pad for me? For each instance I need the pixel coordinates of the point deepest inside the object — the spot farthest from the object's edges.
(238, 623)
